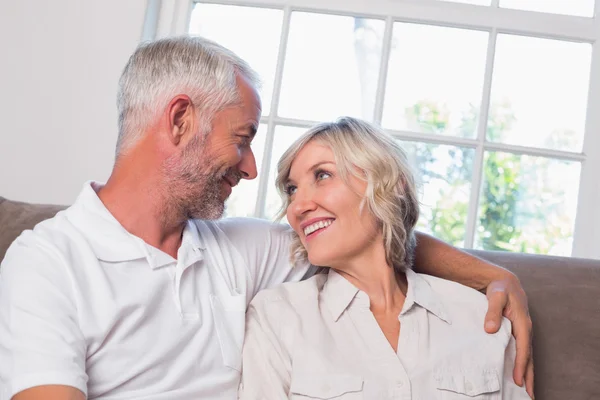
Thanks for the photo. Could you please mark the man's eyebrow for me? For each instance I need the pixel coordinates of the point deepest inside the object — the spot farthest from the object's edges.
(251, 128)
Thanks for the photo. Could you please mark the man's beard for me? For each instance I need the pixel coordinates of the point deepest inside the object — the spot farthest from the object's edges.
(195, 182)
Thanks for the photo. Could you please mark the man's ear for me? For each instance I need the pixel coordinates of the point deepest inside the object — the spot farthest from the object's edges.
(181, 118)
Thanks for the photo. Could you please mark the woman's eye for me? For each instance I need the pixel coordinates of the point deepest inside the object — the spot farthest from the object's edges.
(323, 175)
(290, 190)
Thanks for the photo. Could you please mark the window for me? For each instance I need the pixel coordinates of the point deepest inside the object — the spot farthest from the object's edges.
(489, 98)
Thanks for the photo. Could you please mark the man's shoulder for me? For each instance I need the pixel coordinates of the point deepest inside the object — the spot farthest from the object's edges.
(242, 231)
(49, 235)
(44, 250)
(248, 224)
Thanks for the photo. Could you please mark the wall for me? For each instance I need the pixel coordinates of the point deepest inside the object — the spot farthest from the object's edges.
(60, 62)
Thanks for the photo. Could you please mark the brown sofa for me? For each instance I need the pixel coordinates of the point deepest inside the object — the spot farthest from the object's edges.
(564, 299)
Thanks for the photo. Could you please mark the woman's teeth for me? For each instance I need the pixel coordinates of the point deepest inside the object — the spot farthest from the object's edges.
(316, 226)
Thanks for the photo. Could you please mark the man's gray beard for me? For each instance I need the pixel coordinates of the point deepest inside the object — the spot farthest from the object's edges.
(208, 203)
(193, 190)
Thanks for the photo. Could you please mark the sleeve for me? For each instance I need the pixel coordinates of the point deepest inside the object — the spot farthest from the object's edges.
(40, 339)
(265, 248)
(510, 390)
(266, 363)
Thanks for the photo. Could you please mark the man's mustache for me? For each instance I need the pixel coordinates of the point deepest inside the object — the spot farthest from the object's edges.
(233, 176)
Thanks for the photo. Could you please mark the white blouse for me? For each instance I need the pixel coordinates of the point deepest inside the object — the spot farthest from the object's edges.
(318, 339)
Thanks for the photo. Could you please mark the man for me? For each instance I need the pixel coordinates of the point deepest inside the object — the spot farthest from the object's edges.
(137, 291)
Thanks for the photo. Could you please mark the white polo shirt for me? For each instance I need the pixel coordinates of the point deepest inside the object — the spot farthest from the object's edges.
(86, 304)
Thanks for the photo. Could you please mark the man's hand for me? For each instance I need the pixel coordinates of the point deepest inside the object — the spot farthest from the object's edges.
(507, 298)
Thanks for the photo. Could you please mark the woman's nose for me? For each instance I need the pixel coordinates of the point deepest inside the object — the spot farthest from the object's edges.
(302, 203)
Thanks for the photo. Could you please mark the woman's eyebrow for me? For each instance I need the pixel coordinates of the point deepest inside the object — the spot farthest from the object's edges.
(320, 163)
(311, 169)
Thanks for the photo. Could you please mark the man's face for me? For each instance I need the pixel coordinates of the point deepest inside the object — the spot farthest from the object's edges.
(211, 165)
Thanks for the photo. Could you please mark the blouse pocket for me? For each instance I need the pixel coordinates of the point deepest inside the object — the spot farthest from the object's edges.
(481, 384)
(229, 314)
(326, 386)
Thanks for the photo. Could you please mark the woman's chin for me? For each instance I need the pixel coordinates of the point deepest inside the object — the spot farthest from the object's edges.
(319, 260)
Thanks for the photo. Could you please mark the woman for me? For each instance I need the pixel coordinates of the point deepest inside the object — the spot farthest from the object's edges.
(368, 327)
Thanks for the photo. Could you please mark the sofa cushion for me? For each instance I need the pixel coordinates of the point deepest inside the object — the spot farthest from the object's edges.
(16, 216)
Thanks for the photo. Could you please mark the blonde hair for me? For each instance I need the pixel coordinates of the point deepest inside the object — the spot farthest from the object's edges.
(370, 154)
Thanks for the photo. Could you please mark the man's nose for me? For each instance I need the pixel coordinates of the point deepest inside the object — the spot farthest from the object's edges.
(247, 165)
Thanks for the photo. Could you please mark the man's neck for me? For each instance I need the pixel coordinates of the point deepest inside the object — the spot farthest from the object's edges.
(140, 205)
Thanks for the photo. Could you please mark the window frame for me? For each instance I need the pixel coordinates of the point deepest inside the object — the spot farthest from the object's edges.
(167, 18)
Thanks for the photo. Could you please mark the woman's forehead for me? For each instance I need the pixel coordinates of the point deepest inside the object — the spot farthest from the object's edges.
(309, 155)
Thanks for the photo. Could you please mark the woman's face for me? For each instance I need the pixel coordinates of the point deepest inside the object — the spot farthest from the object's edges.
(325, 212)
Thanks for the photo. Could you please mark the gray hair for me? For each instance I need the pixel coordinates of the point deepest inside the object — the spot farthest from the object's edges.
(370, 154)
(160, 70)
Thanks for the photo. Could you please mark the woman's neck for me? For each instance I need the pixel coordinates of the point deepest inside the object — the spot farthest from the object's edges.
(371, 273)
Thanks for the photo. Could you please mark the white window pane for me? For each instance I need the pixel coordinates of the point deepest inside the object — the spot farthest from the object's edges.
(237, 29)
(539, 92)
(331, 67)
(582, 8)
(284, 137)
(435, 79)
(242, 201)
(476, 2)
(527, 204)
(444, 177)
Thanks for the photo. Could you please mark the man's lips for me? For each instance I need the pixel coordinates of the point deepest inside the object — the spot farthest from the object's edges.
(231, 181)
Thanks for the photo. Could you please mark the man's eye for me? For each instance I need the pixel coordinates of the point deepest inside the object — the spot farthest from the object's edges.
(245, 140)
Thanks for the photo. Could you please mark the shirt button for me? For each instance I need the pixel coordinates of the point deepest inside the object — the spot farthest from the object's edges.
(399, 384)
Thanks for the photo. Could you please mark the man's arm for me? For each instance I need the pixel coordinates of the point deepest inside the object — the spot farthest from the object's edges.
(50, 392)
(434, 257)
(265, 249)
(504, 292)
(42, 349)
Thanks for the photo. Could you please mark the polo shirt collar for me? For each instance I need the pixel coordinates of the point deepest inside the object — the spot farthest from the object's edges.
(110, 241)
(338, 293)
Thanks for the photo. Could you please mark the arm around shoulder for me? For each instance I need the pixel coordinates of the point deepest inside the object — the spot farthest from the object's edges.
(437, 258)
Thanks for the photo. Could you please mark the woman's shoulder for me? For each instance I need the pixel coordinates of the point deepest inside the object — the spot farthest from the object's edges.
(464, 305)
(291, 295)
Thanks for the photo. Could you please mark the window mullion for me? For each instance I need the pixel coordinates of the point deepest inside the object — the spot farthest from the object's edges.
(383, 68)
(477, 179)
(263, 183)
(586, 235)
